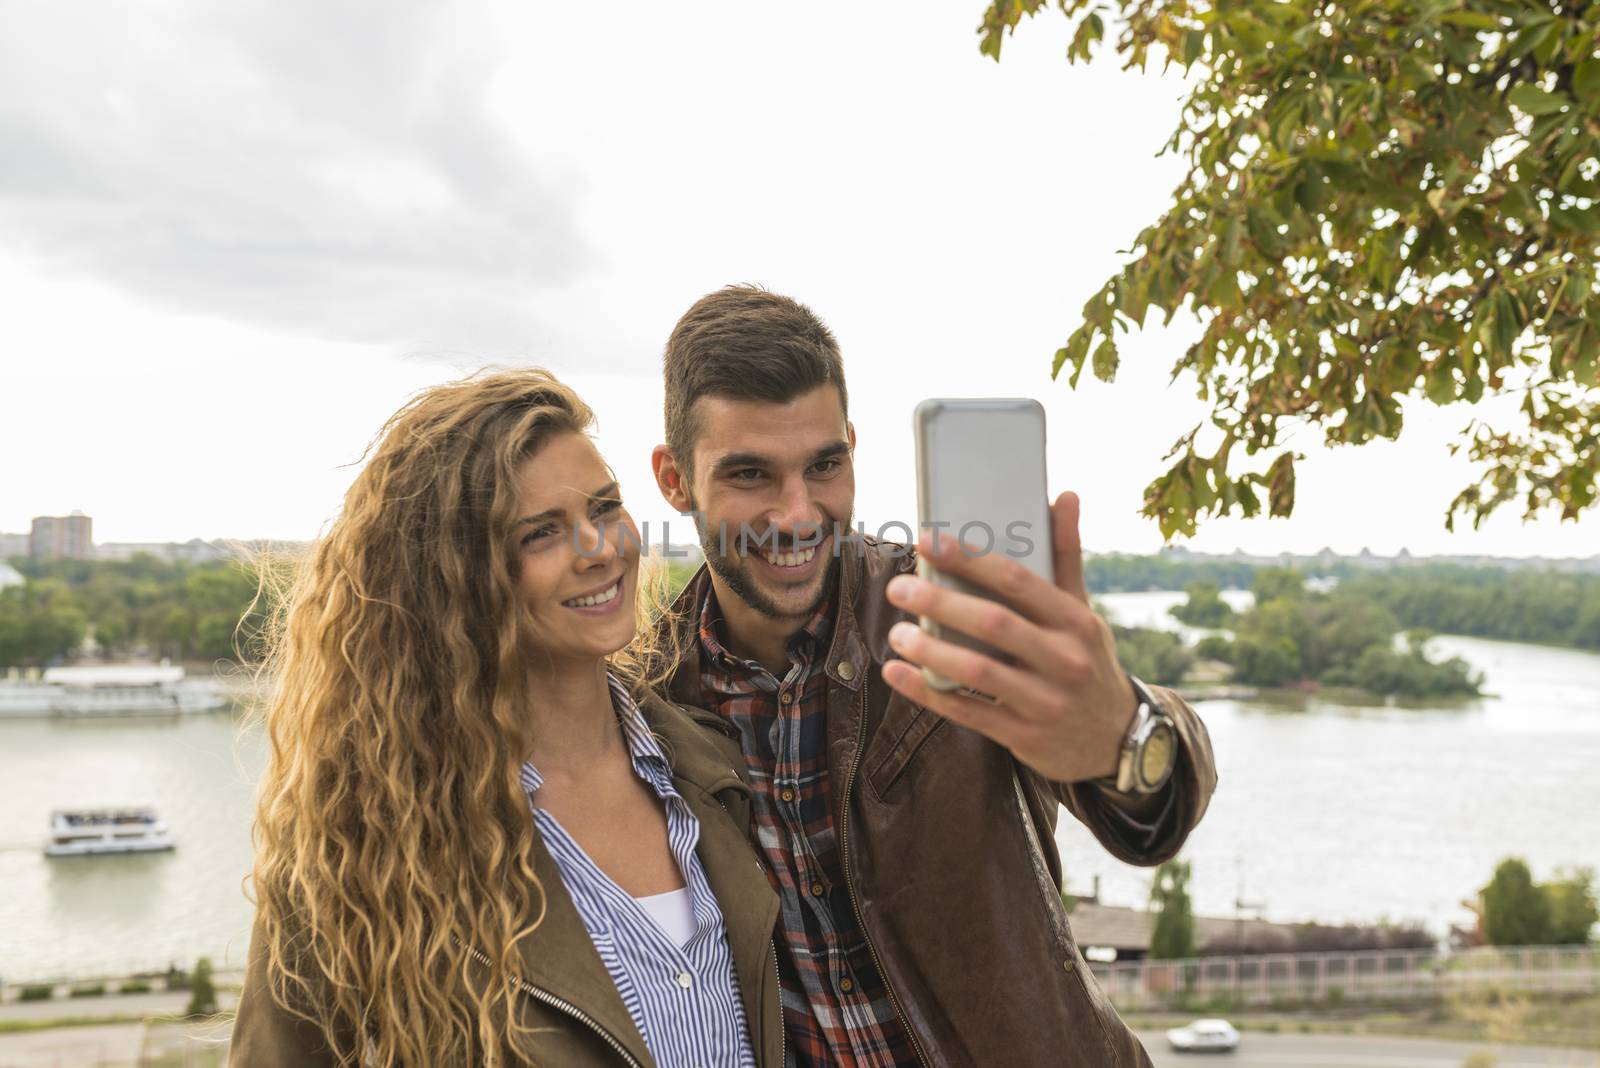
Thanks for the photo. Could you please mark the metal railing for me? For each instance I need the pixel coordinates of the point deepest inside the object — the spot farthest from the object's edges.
(1332, 978)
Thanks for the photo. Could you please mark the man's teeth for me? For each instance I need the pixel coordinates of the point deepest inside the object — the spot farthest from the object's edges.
(599, 598)
(792, 559)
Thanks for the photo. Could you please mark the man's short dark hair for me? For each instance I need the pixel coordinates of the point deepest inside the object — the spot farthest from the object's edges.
(744, 343)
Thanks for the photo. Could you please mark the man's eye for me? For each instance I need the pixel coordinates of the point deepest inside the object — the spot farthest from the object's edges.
(609, 504)
(826, 467)
(746, 474)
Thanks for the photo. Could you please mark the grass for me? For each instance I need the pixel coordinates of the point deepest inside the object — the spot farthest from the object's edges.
(19, 1027)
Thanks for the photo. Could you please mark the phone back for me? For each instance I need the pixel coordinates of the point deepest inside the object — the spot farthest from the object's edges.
(981, 477)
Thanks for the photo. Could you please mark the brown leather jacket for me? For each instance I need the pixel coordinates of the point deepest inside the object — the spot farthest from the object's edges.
(569, 995)
(948, 848)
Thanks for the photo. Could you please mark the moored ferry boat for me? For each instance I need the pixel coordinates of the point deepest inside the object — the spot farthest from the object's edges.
(90, 831)
(109, 690)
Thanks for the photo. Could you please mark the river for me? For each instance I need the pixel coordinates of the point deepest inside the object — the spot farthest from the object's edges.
(1324, 811)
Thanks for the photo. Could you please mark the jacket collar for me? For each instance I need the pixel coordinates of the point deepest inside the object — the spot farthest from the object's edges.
(559, 957)
(849, 656)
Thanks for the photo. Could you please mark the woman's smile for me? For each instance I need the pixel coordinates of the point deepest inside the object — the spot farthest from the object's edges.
(600, 601)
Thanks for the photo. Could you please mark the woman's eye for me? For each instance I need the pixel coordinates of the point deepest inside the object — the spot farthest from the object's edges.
(609, 505)
(538, 534)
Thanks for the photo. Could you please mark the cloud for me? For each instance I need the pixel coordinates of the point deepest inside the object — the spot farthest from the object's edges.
(332, 169)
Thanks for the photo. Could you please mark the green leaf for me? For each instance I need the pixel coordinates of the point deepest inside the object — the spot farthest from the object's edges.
(1584, 221)
(1534, 36)
(1586, 79)
(1105, 361)
(1224, 294)
(1076, 348)
(1473, 20)
(1585, 367)
(1194, 45)
(1441, 384)
(1536, 101)
(1280, 485)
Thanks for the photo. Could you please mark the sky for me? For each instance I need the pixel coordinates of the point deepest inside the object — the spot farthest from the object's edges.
(235, 238)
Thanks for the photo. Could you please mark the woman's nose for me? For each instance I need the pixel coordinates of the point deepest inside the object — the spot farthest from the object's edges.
(597, 543)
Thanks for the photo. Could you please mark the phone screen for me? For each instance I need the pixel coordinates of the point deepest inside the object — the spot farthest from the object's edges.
(981, 478)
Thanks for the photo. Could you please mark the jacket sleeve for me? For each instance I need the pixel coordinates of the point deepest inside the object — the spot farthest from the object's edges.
(1147, 831)
(265, 1034)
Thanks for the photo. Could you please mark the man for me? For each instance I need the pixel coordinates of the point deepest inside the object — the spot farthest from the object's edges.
(909, 833)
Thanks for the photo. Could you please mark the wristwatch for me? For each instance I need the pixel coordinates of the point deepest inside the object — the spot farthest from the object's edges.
(1149, 749)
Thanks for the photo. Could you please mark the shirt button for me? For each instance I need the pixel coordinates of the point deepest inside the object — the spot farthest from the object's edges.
(817, 889)
(847, 984)
(785, 698)
(786, 795)
(685, 980)
(847, 670)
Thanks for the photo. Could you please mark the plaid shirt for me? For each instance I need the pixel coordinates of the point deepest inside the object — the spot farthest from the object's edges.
(836, 1008)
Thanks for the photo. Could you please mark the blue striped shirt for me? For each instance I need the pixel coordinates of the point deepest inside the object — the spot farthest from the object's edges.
(683, 999)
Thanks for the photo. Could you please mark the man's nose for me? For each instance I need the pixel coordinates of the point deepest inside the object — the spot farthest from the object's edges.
(796, 514)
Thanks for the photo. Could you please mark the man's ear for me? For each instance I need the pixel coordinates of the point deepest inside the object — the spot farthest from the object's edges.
(850, 434)
(671, 480)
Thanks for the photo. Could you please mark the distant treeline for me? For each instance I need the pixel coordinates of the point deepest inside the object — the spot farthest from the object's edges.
(1525, 606)
(1545, 607)
(144, 605)
(1131, 574)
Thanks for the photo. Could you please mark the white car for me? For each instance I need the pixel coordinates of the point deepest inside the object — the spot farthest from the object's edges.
(1204, 1036)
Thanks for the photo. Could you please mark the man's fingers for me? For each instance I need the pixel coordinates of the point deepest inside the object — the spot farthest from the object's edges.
(1067, 546)
(1015, 689)
(995, 722)
(979, 617)
(1032, 596)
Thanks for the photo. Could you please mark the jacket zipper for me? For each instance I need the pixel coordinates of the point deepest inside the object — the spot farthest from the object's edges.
(783, 1030)
(542, 995)
(844, 855)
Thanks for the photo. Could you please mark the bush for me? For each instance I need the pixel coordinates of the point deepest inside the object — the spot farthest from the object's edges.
(94, 990)
(134, 986)
(1214, 647)
(203, 995)
(1515, 911)
(1152, 655)
(40, 992)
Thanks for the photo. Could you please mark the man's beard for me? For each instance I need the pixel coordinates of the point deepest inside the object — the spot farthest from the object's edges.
(734, 571)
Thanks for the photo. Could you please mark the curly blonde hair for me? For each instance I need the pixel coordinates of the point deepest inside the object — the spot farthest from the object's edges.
(393, 839)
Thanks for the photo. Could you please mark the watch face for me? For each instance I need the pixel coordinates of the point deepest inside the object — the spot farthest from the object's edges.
(1155, 761)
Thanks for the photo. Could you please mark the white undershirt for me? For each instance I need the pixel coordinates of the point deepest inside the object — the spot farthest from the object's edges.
(673, 913)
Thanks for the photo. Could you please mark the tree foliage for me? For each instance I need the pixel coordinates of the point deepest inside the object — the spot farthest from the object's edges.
(1515, 913)
(1383, 202)
(1205, 607)
(138, 606)
(1573, 912)
(1153, 655)
(1297, 636)
(202, 991)
(1172, 937)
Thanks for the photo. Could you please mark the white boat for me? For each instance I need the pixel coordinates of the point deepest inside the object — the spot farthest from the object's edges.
(109, 690)
(86, 832)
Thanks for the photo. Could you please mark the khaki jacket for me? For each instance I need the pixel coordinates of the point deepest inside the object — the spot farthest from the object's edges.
(567, 990)
(948, 849)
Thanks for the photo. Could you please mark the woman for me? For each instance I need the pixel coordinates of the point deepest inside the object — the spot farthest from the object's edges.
(482, 839)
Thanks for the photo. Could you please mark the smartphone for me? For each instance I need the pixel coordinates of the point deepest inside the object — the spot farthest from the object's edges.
(981, 479)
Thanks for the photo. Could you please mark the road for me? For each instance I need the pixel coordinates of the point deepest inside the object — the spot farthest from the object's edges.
(102, 1046)
(1260, 1050)
(161, 1003)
